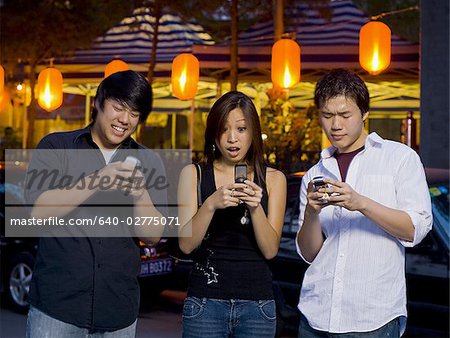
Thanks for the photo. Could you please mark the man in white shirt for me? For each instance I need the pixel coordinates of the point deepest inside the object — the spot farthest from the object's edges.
(353, 230)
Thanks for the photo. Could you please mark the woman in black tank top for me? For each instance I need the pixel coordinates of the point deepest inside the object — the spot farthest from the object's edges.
(238, 227)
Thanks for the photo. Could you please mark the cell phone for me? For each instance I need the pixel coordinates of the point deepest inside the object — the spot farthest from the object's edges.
(133, 161)
(240, 173)
(318, 182)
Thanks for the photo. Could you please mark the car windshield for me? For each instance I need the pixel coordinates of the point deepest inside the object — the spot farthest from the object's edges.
(440, 205)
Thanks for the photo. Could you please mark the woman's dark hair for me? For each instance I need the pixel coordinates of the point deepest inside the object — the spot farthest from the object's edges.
(215, 124)
(342, 82)
(129, 88)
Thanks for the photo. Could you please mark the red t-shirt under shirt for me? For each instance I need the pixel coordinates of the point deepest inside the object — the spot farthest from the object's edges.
(344, 160)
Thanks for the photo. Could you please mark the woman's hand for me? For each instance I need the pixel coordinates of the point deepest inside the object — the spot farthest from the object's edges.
(250, 194)
(226, 196)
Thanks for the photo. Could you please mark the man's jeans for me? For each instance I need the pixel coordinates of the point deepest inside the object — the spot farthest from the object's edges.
(216, 318)
(39, 325)
(391, 330)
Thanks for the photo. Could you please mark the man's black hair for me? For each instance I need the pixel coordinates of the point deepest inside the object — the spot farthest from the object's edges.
(129, 88)
(342, 82)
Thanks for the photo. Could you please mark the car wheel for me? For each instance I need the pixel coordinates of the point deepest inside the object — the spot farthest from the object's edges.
(18, 281)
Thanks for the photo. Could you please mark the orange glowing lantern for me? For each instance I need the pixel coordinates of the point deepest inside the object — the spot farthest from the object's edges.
(2, 80)
(374, 47)
(115, 66)
(50, 89)
(5, 100)
(285, 63)
(185, 75)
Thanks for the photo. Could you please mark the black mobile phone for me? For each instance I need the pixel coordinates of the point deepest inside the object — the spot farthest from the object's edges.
(318, 182)
(240, 173)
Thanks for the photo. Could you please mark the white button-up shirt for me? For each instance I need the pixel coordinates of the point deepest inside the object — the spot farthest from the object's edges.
(356, 283)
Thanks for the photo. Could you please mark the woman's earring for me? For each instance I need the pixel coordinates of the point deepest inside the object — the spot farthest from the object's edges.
(214, 148)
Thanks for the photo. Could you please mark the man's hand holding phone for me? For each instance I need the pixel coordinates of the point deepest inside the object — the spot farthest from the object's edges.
(124, 176)
(343, 195)
(325, 191)
(318, 193)
(321, 186)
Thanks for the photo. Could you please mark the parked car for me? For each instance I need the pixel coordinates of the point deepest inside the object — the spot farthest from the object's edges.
(156, 267)
(17, 255)
(427, 267)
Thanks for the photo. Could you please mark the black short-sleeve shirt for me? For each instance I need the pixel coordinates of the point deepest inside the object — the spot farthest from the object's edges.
(90, 282)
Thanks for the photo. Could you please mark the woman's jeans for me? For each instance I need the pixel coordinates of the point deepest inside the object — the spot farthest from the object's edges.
(39, 325)
(217, 318)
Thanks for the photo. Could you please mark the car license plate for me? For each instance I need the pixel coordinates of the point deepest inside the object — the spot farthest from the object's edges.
(156, 267)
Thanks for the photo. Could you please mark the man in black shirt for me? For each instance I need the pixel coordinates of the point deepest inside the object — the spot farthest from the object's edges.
(85, 278)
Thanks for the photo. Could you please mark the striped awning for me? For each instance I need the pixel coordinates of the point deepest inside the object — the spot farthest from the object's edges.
(131, 41)
(312, 29)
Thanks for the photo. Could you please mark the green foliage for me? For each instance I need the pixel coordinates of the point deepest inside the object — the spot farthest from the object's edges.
(33, 30)
(294, 137)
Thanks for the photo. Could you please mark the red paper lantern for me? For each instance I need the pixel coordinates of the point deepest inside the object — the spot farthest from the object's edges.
(50, 89)
(185, 76)
(374, 47)
(115, 66)
(285, 63)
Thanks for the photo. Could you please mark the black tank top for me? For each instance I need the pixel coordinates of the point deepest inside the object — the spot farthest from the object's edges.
(233, 266)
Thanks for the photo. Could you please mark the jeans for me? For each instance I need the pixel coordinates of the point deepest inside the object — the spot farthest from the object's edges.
(39, 325)
(391, 330)
(216, 318)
